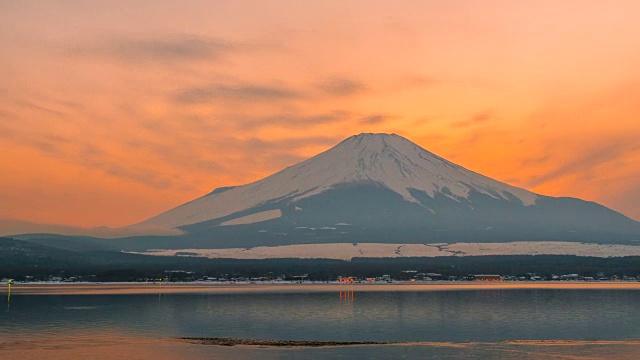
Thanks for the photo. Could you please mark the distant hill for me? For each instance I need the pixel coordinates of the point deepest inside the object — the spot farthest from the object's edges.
(68, 242)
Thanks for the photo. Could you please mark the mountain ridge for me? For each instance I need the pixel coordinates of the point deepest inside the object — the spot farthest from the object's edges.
(373, 189)
(386, 159)
(380, 188)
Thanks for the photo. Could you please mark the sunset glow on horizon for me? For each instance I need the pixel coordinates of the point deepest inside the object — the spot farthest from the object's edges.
(113, 112)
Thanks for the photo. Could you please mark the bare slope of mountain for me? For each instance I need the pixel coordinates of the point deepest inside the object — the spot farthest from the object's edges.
(380, 188)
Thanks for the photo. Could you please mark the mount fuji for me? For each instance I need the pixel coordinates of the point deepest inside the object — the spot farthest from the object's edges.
(384, 189)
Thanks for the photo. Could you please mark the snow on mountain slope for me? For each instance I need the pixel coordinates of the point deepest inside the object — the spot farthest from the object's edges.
(254, 218)
(386, 160)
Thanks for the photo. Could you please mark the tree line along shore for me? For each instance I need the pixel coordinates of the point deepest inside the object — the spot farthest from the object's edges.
(24, 261)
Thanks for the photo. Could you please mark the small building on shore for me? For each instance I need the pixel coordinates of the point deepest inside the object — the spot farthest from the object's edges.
(485, 277)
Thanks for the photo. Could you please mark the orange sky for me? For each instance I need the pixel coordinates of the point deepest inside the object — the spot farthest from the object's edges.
(111, 112)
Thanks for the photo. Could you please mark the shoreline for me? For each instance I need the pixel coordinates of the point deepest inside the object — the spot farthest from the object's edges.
(18, 289)
(292, 344)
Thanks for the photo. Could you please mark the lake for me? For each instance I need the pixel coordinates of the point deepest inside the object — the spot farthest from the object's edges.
(530, 321)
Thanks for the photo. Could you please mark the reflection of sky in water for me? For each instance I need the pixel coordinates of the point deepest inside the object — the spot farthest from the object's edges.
(442, 316)
(412, 316)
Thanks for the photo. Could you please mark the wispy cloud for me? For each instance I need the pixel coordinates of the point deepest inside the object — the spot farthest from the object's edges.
(172, 47)
(340, 86)
(5, 114)
(476, 119)
(415, 81)
(376, 119)
(49, 144)
(242, 92)
(34, 106)
(537, 160)
(256, 144)
(291, 121)
(589, 158)
(137, 174)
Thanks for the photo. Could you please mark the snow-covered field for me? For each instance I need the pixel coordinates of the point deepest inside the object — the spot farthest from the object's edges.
(349, 251)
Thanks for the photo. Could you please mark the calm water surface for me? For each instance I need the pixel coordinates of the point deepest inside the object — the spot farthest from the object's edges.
(488, 319)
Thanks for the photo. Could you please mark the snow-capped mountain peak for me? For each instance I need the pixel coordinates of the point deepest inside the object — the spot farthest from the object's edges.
(400, 165)
(386, 160)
